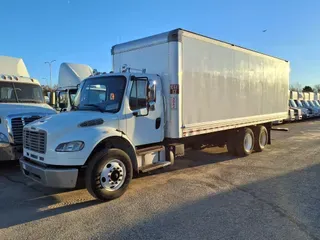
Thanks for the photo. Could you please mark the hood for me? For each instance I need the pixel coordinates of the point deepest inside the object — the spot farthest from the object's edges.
(21, 108)
(68, 121)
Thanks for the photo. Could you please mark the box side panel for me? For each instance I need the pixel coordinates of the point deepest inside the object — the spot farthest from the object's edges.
(222, 83)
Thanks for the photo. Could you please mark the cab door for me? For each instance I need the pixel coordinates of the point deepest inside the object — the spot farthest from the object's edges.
(145, 123)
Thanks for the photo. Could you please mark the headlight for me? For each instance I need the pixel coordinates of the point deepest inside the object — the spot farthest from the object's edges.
(4, 141)
(3, 138)
(74, 146)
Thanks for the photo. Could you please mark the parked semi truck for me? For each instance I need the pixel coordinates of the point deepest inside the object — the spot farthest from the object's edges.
(70, 76)
(166, 92)
(21, 102)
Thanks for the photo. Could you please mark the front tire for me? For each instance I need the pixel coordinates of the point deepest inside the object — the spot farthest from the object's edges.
(108, 174)
(244, 142)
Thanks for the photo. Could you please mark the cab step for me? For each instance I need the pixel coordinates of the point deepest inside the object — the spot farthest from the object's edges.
(144, 151)
(154, 166)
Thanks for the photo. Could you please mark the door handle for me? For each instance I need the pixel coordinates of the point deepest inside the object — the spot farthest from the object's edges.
(158, 123)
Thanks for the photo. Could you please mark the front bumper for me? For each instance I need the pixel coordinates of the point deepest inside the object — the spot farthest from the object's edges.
(49, 176)
(298, 117)
(10, 152)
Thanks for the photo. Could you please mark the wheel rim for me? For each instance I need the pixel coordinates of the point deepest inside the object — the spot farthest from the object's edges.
(248, 142)
(263, 139)
(113, 175)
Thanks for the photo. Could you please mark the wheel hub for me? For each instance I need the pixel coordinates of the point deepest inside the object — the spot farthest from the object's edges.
(113, 175)
(248, 142)
(263, 139)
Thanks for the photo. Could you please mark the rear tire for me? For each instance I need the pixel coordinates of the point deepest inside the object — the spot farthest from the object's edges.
(244, 142)
(231, 146)
(108, 174)
(261, 138)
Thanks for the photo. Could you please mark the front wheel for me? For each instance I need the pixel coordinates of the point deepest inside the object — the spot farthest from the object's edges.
(108, 174)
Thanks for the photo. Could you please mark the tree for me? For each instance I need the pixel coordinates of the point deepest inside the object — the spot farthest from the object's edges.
(307, 89)
(295, 87)
(46, 89)
(316, 88)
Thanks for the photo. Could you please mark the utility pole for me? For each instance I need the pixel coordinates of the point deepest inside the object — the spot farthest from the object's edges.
(46, 81)
(50, 66)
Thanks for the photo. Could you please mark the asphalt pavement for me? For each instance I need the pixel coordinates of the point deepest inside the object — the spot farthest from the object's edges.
(206, 195)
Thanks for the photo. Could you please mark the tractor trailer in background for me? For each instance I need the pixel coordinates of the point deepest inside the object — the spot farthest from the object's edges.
(21, 102)
(70, 76)
(166, 92)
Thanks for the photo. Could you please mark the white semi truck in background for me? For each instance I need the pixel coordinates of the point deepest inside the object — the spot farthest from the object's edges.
(21, 102)
(70, 76)
(191, 89)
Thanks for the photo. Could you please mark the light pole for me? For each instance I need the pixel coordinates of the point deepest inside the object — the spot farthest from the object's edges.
(50, 64)
(46, 79)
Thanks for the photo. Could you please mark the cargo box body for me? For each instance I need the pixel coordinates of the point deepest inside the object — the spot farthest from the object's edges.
(209, 85)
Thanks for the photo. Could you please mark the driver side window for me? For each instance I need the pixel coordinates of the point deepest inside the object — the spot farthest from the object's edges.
(138, 95)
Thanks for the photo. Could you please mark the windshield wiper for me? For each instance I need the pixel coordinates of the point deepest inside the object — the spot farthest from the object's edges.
(96, 106)
(7, 101)
(30, 101)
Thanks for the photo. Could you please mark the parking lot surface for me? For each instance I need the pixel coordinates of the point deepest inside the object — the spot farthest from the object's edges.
(206, 195)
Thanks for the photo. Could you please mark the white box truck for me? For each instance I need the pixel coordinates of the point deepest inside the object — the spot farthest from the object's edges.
(191, 89)
(21, 102)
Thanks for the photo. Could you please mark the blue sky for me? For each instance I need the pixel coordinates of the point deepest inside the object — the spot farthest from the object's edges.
(83, 31)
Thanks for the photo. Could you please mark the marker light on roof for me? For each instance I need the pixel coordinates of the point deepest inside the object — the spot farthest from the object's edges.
(31, 80)
(10, 77)
(3, 77)
(16, 78)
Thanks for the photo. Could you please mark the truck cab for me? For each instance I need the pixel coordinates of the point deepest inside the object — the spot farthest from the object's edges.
(65, 98)
(304, 112)
(123, 111)
(21, 102)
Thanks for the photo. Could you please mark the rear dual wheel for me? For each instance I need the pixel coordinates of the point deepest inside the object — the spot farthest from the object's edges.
(244, 141)
(262, 137)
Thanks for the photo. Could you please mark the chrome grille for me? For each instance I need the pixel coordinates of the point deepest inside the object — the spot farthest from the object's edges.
(17, 125)
(35, 140)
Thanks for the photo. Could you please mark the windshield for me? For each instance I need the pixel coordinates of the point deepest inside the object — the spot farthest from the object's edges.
(292, 103)
(20, 92)
(101, 94)
(315, 102)
(305, 103)
(298, 103)
(311, 103)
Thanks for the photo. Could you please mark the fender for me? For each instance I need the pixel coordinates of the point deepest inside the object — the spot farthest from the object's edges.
(117, 139)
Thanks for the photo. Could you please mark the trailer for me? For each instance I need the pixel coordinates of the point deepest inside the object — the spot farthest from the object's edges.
(166, 92)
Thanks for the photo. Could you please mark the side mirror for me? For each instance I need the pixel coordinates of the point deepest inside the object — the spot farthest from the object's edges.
(152, 106)
(152, 92)
(140, 112)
